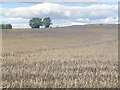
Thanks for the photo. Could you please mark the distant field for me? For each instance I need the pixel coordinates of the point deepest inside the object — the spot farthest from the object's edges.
(67, 57)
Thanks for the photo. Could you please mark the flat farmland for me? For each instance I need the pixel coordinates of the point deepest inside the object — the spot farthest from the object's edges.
(62, 57)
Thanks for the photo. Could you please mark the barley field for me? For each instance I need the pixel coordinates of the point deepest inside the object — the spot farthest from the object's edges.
(62, 57)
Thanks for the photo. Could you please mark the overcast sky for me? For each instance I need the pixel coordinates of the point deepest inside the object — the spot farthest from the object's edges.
(62, 14)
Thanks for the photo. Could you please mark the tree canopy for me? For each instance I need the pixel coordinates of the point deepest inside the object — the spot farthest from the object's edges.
(5, 26)
(36, 22)
(47, 22)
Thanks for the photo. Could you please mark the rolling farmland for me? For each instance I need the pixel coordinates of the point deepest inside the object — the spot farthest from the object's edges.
(68, 57)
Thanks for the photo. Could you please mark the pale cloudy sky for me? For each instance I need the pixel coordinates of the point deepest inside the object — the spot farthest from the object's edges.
(62, 14)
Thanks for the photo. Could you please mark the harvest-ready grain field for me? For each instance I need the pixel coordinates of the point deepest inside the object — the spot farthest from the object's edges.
(68, 57)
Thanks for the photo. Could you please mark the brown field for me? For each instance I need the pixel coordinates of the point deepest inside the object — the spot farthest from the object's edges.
(67, 57)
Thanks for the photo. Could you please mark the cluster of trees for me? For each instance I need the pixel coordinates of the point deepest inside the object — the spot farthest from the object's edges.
(5, 26)
(37, 22)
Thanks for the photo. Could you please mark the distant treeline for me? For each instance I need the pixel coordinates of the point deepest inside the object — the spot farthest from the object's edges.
(5, 26)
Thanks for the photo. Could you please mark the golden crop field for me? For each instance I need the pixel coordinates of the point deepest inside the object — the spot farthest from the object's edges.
(62, 57)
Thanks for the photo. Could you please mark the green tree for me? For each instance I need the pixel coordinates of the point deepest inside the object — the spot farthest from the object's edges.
(0, 26)
(35, 22)
(8, 26)
(47, 22)
(5, 26)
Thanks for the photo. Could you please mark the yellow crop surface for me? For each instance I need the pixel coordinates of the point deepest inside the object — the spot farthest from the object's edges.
(63, 57)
